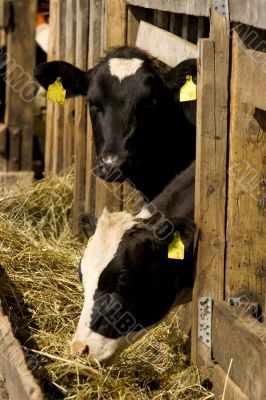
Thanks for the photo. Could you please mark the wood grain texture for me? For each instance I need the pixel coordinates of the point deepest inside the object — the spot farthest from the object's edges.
(255, 85)
(192, 7)
(108, 194)
(233, 392)
(250, 12)
(246, 228)
(69, 109)
(21, 41)
(241, 338)
(164, 45)
(212, 135)
(134, 16)
(80, 146)
(49, 135)
(19, 381)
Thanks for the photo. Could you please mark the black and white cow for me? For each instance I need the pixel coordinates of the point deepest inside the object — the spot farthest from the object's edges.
(129, 282)
(140, 130)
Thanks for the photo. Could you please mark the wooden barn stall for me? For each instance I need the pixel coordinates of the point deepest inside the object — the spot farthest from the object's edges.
(228, 37)
(17, 38)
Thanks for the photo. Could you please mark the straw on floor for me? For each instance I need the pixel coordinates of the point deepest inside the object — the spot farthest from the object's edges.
(41, 294)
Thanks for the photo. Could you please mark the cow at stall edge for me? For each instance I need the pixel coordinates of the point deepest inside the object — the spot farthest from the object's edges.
(140, 130)
(129, 282)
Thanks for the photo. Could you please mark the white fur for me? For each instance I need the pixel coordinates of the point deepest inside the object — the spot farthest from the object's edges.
(124, 67)
(99, 252)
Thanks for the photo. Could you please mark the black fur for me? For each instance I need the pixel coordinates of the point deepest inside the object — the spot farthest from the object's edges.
(137, 119)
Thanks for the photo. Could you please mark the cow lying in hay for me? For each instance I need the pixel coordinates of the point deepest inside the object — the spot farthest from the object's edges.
(140, 129)
(130, 283)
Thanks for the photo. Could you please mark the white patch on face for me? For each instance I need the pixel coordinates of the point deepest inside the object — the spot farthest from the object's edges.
(110, 159)
(99, 252)
(123, 67)
(144, 213)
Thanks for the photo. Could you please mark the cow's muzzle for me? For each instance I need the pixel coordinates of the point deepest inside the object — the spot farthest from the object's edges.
(110, 168)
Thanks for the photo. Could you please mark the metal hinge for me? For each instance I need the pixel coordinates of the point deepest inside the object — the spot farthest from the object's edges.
(5, 13)
(222, 7)
(205, 320)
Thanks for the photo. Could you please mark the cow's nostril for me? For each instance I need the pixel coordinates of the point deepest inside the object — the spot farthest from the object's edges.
(79, 348)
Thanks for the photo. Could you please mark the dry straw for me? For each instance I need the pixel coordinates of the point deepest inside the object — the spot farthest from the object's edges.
(43, 298)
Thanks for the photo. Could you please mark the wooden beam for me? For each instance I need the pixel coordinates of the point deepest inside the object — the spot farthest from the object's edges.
(212, 134)
(21, 88)
(246, 228)
(69, 109)
(167, 47)
(250, 12)
(134, 16)
(219, 380)
(254, 88)
(80, 145)
(241, 338)
(192, 7)
(19, 381)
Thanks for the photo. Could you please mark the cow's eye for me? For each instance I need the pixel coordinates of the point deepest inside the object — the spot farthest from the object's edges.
(97, 108)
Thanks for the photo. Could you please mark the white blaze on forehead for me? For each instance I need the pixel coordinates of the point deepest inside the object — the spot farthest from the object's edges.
(99, 252)
(123, 67)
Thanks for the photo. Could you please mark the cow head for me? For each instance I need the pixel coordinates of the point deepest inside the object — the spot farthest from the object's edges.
(129, 282)
(126, 94)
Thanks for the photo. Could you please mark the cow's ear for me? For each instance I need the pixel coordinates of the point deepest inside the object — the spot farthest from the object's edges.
(88, 225)
(74, 80)
(176, 77)
(187, 228)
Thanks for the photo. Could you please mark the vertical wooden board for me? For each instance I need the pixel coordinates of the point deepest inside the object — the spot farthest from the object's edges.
(115, 23)
(94, 54)
(69, 111)
(49, 135)
(212, 132)
(2, 37)
(115, 35)
(58, 108)
(21, 87)
(134, 16)
(161, 19)
(80, 145)
(246, 228)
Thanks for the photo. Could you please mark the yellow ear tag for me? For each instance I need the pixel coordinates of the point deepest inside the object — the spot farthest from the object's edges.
(176, 249)
(90, 239)
(188, 91)
(56, 92)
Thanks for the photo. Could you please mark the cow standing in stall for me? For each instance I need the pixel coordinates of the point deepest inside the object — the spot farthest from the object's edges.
(140, 130)
(129, 282)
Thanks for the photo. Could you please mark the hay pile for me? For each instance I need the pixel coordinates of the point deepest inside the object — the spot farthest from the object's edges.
(43, 298)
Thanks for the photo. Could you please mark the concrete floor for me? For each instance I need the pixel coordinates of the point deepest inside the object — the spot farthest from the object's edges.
(3, 392)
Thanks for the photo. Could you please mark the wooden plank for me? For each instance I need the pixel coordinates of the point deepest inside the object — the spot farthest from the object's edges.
(58, 130)
(69, 111)
(241, 338)
(167, 47)
(250, 12)
(255, 86)
(246, 228)
(19, 381)
(2, 37)
(82, 34)
(161, 19)
(95, 48)
(49, 136)
(21, 87)
(212, 132)
(232, 391)
(192, 7)
(110, 194)
(134, 16)
(115, 23)
(3, 147)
